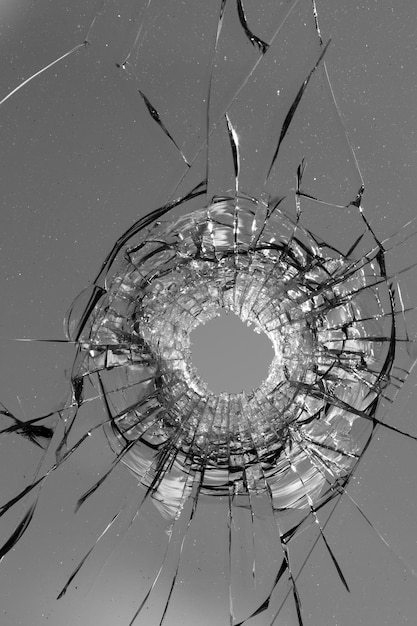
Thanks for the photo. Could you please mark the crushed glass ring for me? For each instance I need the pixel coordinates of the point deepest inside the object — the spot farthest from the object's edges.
(299, 433)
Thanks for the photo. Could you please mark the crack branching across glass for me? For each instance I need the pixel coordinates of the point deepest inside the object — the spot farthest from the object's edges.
(263, 217)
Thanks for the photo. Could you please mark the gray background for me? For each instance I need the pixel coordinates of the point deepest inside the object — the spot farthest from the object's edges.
(80, 161)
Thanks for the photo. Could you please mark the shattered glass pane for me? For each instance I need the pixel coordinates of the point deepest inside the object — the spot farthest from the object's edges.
(170, 162)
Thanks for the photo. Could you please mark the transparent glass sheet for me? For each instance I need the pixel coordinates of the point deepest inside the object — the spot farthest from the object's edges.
(165, 160)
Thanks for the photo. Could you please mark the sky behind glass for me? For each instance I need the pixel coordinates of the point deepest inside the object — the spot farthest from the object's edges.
(81, 160)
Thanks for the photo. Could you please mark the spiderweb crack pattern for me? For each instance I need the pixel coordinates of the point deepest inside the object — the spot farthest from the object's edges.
(243, 226)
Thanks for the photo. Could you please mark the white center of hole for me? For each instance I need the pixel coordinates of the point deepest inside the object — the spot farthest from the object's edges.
(229, 356)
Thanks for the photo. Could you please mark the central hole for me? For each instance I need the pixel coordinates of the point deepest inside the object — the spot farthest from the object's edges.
(230, 356)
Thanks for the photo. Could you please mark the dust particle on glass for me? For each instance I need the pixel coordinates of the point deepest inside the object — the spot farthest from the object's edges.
(192, 161)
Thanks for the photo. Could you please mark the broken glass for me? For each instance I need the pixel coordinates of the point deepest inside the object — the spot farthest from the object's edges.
(187, 159)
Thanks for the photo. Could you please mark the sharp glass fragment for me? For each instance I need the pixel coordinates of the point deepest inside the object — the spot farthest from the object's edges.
(193, 160)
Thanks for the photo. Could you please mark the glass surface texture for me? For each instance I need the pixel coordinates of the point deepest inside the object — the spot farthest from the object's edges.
(172, 163)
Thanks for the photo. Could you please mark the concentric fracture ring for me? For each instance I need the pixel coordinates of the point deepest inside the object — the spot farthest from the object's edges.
(304, 428)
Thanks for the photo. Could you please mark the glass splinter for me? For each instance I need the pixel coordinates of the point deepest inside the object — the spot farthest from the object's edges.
(145, 497)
